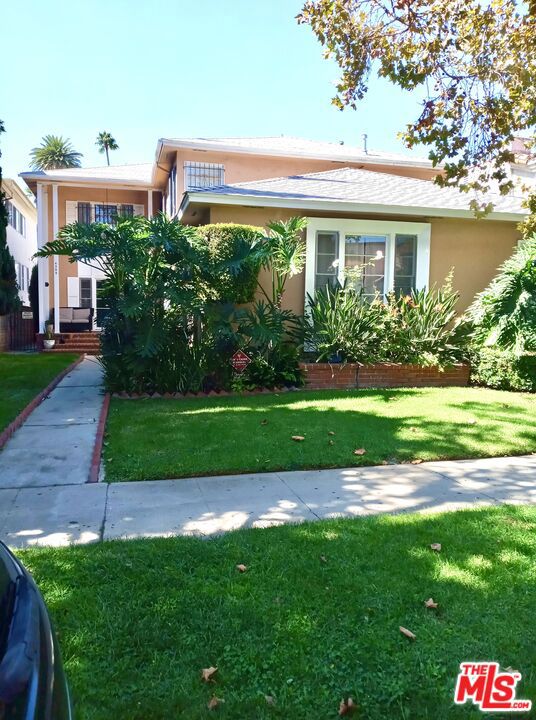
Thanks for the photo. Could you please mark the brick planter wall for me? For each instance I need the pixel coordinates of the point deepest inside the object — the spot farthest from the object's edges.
(323, 376)
(4, 330)
(386, 375)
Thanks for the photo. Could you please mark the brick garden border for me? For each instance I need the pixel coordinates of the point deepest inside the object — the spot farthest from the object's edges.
(38, 399)
(94, 468)
(346, 376)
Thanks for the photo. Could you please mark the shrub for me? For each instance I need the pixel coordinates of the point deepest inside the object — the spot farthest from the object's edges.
(342, 324)
(504, 314)
(231, 266)
(422, 327)
(504, 369)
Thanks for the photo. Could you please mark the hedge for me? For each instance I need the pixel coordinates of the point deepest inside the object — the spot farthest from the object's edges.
(225, 242)
(504, 370)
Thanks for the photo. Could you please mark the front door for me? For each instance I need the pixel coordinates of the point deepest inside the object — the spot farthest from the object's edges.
(102, 308)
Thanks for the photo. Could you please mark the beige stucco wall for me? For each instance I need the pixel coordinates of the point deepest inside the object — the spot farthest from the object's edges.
(474, 248)
(83, 194)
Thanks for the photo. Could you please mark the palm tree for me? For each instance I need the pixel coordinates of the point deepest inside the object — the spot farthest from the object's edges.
(55, 152)
(105, 143)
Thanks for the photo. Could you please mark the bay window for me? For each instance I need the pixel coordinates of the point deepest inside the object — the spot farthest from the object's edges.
(376, 256)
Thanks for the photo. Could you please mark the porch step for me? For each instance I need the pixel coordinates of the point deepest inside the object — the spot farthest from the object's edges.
(75, 342)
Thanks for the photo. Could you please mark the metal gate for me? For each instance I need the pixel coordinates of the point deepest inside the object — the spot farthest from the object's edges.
(22, 330)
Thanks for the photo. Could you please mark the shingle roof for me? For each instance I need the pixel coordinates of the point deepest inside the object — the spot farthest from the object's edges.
(300, 147)
(359, 187)
(136, 174)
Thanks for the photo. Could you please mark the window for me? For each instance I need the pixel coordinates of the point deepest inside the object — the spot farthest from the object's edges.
(126, 211)
(85, 292)
(405, 263)
(106, 214)
(379, 256)
(15, 218)
(84, 213)
(171, 199)
(364, 262)
(201, 175)
(327, 253)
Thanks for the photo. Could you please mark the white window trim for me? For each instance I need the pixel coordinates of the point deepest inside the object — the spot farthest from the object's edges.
(389, 228)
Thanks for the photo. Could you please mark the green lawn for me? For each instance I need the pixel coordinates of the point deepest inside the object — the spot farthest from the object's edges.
(23, 377)
(151, 439)
(314, 618)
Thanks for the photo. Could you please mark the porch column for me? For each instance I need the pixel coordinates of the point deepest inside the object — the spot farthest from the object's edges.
(42, 263)
(55, 259)
(149, 203)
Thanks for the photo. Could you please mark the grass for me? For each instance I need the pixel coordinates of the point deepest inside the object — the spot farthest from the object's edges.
(138, 620)
(23, 377)
(152, 439)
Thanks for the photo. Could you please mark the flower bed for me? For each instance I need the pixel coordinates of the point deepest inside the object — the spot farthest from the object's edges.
(320, 376)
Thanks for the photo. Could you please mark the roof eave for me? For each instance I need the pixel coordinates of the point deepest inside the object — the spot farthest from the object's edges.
(78, 180)
(367, 159)
(207, 198)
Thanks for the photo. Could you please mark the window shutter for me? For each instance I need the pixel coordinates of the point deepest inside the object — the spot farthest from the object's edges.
(73, 292)
(71, 214)
(139, 209)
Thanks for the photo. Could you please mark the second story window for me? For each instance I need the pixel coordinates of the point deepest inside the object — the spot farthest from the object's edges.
(102, 213)
(15, 218)
(200, 175)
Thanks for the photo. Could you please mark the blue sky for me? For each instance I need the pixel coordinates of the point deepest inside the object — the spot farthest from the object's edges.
(174, 68)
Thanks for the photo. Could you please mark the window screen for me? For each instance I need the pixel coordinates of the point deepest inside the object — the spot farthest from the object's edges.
(327, 254)
(405, 263)
(364, 262)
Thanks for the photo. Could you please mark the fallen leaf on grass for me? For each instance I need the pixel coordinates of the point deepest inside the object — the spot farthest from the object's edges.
(430, 603)
(207, 674)
(436, 547)
(472, 421)
(214, 702)
(323, 559)
(269, 699)
(330, 432)
(413, 429)
(347, 707)
(408, 633)
(417, 461)
(241, 568)
(298, 438)
(330, 442)
(360, 451)
(264, 422)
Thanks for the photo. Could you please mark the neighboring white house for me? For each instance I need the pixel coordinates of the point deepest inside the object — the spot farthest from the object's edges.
(21, 233)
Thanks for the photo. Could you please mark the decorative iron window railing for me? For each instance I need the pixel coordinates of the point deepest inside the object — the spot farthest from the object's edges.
(200, 175)
(102, 213)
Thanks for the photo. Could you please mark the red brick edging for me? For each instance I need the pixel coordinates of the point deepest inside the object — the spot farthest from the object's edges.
(99, 439)
(38, 399)
(347, 376)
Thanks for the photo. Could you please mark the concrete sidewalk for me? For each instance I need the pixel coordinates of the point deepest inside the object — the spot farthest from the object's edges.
(77, 513)
(55, 444)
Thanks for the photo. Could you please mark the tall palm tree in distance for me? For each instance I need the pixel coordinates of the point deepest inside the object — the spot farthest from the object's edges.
(105, 143)
(54, 152)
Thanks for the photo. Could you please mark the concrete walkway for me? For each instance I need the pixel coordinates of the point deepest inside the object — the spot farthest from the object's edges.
(55, 444)
(63, 513)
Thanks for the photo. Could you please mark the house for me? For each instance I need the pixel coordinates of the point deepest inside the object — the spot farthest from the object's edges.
(364, 207)
(21, 234)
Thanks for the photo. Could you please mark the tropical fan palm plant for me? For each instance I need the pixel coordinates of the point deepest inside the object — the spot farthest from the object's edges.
(106, 142)
(54, 152)
(504, 314)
